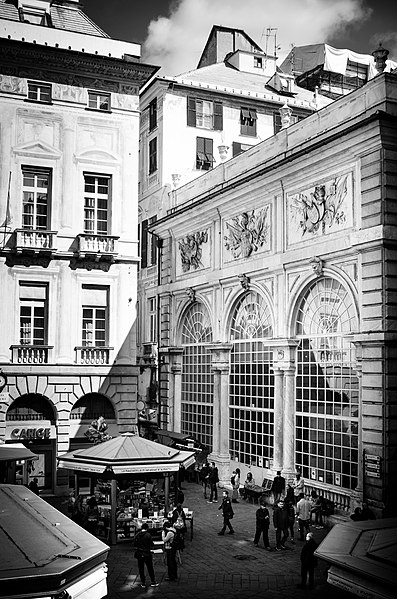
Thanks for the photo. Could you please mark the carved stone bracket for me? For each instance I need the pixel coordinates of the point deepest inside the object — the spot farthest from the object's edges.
(244, 281)
(191, 294)
(317, 266)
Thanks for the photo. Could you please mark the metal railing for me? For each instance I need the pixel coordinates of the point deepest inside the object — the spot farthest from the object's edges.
(93, 355)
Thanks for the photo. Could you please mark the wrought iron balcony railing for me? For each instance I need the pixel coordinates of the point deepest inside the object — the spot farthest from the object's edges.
(35, 240)
(31, 354)
(93, 355)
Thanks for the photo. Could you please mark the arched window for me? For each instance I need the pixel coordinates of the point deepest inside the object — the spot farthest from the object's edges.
(92, 406)
(251, 390)
(197, 378)
(327, 394)
(31, 407)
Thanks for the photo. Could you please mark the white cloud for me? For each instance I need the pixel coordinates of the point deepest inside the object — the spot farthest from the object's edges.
(176, 42)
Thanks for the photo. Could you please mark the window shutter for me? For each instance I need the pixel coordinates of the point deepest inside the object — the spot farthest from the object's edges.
(218, 116)
(153, 246)
(209, 149)
(236, 148)
(191, 112)
(276, 122)
(144, 244)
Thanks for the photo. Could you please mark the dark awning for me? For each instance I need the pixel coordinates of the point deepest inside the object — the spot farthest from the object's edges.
(15, 451)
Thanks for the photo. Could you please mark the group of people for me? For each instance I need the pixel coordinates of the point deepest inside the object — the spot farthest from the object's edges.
(172, 535)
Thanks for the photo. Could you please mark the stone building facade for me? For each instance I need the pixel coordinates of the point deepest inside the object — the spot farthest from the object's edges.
(276, 296)
(69, 128)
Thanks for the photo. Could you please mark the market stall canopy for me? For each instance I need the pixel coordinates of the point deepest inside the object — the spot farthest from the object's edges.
(43, 552)
(15, 451)
(363, 557)
(127, 454)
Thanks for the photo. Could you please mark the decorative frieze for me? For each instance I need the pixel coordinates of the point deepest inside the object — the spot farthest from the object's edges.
(248, 232)
(321, 209)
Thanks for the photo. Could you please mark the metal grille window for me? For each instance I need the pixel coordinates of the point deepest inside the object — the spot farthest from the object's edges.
(248, 118)
(99, 101)
(39, 92)
(327, 393)
(197, 378)
(35, 194)
(251, 390)
(96, 204)
(95, 317)
(32, 314)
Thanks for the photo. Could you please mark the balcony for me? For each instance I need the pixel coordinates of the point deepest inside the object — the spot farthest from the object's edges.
(31, 354)
(93, 356)
(35, 241)
(97, 247)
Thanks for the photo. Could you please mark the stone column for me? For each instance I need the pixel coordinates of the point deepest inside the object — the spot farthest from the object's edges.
(175, 413)
(68, 181)
(278, 420)
(65, 353)
(221, 368)
(289, 423)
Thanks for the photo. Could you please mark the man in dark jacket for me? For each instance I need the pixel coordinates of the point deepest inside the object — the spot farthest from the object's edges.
(280, 521)
(143, 545)
(262, 526)
(227, 511)
(213, 479)
(278, 487)
(308, 561)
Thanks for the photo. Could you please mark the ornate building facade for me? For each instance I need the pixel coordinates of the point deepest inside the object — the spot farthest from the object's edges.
(276, 299)
(69, 129)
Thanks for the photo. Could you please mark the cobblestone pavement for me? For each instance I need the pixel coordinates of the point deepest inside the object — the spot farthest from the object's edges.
(227, 566)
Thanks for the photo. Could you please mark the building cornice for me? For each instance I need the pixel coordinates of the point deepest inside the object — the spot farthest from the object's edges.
(19, 59)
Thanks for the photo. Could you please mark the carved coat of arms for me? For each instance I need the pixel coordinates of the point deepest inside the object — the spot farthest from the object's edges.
(247, 232)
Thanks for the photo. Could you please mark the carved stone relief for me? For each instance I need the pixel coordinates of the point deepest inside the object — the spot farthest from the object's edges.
(13, 85)
(68, 93)
(247, 233)
(321, 209)
(191, 251)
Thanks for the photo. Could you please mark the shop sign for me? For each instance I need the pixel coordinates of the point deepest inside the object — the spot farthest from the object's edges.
(372, 465)
(31, 433)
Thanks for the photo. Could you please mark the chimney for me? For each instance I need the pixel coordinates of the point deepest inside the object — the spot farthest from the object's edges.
(380, 56)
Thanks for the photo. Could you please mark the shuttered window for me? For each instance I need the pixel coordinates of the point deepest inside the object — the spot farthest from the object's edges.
(204, 114)
(204, 153)
(248, 118)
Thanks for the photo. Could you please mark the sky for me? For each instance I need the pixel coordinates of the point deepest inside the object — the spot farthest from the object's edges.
(173, 33)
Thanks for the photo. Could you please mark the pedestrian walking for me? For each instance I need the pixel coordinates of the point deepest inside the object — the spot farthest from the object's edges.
(143, 553)
(280, 521)
(213, 479)
(278, 487)
(308, 562)
(303, 513)
(228, 513)
(91, 516)
(262, 526)
(235, 481)
(168, 536)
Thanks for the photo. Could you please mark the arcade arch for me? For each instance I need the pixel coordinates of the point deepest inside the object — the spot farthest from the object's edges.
(251, 386)
(197, 378)
(327, 385)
